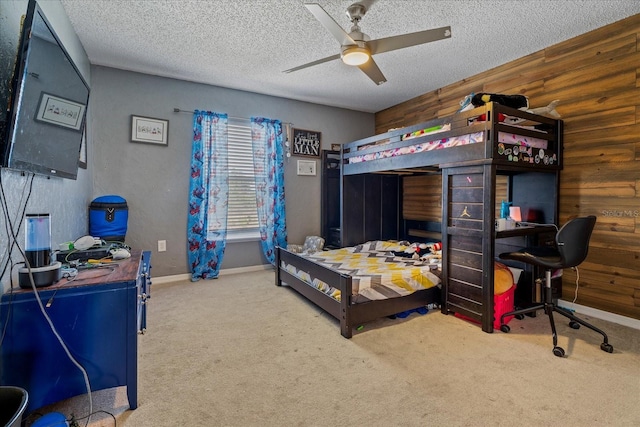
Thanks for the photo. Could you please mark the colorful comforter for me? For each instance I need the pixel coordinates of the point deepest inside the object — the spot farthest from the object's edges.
(376, 272)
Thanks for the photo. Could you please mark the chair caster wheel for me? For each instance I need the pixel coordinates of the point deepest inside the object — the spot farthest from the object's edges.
(558, 351)
(505, 328)
(519, 316)
(606, 347)
(574, 325)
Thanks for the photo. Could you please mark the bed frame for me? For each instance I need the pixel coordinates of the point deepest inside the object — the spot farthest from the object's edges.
(371, 209)
(350, 315)
(466, 154)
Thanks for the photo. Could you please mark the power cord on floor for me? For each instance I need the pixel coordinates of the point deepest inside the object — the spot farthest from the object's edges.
(73, 421)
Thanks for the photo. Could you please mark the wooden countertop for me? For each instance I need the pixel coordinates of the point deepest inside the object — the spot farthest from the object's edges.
(116, 271)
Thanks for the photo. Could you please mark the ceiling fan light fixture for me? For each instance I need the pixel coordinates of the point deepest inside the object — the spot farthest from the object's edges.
(355, 55)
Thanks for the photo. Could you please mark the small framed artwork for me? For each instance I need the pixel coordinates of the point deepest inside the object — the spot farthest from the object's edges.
(335, 147)
(60, 111)
(306, 143)
(148, 130)
(307, 167)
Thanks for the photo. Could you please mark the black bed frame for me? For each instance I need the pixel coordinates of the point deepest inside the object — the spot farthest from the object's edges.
(350, 315)
(371, 209)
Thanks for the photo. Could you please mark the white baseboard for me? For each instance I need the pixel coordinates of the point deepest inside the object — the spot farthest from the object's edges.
(223, 272)
(601, 314)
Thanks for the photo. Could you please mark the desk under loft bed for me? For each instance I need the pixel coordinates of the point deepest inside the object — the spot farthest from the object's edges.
(472, 154)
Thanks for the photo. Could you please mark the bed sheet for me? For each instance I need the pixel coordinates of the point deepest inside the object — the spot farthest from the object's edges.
(377, 273)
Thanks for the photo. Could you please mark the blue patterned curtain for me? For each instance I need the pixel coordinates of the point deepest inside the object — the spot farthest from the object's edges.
(268, 165)
(208, 195)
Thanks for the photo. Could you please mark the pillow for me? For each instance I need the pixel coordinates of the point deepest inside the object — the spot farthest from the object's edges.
(313, 244)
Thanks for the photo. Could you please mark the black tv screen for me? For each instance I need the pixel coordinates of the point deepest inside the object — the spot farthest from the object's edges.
(46, 112)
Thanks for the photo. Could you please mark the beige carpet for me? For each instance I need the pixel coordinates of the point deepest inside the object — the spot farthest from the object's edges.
(239, 351)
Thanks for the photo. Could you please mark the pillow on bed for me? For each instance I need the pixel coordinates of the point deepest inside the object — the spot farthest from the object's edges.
(311, 245)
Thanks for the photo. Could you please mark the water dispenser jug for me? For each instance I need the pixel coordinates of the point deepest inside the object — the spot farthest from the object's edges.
(38, 240)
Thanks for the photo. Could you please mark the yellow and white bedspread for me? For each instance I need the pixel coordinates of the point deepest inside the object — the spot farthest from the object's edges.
(376, 272)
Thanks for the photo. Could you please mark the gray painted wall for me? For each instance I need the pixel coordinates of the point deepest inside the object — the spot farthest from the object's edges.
(66, 200)
(155, 180)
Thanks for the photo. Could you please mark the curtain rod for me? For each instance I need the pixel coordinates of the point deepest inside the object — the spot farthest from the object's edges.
(178, 110)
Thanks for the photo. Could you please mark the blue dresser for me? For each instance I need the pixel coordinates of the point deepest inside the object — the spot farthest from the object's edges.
(98, 315)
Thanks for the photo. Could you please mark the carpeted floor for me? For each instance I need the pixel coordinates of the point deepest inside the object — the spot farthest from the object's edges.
(239, 351)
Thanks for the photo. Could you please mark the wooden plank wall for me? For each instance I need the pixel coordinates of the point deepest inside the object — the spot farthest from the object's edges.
(596, 77)
(421, 197)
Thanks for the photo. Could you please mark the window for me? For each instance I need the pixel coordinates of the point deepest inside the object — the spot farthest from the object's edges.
(242, 217)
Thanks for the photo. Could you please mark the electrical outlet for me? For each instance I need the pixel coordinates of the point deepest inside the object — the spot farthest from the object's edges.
(162, 245)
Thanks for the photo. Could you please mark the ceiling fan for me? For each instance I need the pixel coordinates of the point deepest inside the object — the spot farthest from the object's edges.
(356, 48)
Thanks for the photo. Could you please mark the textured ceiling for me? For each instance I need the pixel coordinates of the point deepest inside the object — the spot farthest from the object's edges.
(246, 44)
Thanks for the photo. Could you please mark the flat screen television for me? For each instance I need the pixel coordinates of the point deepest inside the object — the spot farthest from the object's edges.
(46, 111)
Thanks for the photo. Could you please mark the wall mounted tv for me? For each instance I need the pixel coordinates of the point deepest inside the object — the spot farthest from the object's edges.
(46, 112)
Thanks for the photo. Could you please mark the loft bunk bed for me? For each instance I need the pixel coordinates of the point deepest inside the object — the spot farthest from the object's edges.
(467, 151)
(487, 133)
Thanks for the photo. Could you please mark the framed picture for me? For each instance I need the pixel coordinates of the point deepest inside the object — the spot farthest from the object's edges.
(335, 147)
(307, 167)
(148, 130)
(306, 143)
(60, 111)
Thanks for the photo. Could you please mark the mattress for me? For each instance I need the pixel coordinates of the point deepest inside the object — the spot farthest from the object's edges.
(376, 271)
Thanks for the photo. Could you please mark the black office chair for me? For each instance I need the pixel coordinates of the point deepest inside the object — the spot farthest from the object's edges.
(572, 245)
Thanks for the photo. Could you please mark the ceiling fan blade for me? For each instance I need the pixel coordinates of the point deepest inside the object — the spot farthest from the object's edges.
(311, 64)
(370, 68)
(407, 40)
(330, 24)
